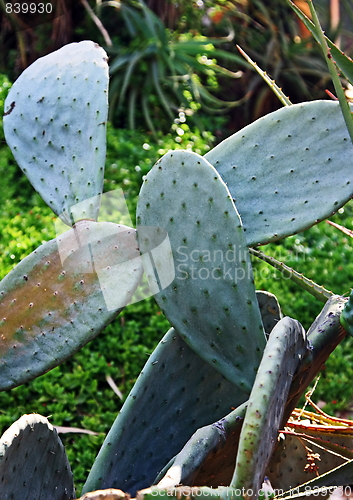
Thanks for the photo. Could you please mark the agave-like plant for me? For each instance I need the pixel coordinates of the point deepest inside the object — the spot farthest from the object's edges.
(161, 72)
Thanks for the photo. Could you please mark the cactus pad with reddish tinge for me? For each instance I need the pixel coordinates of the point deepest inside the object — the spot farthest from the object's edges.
(50, 309)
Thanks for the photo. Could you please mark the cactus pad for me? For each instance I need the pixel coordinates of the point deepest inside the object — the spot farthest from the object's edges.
(279, 169)
(52, 303)
(286, 346)
(269, 308)
(55, 124)
(33, 462)
(347, 316)
(211, 301)
(208, 458)
(175, 394)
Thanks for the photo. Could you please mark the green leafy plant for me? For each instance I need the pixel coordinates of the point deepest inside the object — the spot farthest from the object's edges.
(274, 38)
(162, 74)
(220, 384)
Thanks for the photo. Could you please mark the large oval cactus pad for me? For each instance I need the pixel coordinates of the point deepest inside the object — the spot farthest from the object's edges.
(33, 462)
(176, 393)
(211, 302)
(55, 124)
(287, 170)
(49, 309)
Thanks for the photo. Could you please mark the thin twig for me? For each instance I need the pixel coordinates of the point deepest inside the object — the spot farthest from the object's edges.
(344, 230)
(98, 23)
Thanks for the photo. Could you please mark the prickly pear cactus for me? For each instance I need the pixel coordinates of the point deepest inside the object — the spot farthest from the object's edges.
(176, 393)
(52, 303)
(55, 124)
(211, 301)
(288, 156)
(33, 462)
(284, 351)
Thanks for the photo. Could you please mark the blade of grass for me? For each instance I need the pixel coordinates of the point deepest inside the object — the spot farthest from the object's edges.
(132, 108)
(128, 73)
(223, 104)
(147, 115)
(161, 95)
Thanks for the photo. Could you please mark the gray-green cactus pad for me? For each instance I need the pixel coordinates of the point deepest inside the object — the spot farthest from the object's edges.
(347, 316)
(176, 393)
(287, 170)
(55, 124)
(62, 295)
(269, 308)
(211, 301)
(208, 458)
(284, 351)
(33, 462)
(324, 335)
